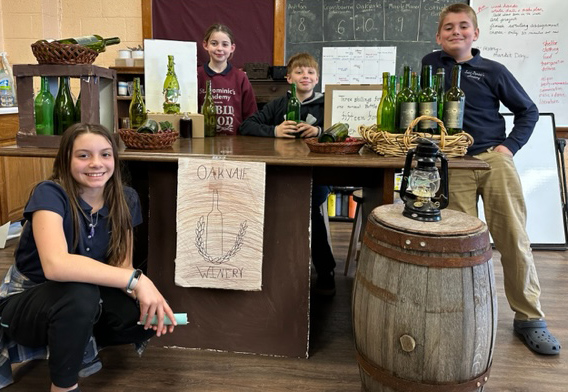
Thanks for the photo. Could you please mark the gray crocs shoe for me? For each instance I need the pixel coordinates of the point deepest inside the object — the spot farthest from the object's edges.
(537, 336)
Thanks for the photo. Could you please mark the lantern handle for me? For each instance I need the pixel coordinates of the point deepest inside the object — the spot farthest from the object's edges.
(444, 198)
(406, 174)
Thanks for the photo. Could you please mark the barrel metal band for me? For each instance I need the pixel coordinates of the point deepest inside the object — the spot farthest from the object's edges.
(402, 385)
(395, 246)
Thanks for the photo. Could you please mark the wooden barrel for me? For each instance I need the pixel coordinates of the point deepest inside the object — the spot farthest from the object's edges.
(424, 303)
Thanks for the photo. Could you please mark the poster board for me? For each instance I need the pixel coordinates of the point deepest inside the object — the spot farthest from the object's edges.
(539, 170)
(529, 37)
(156, 53)
(220, 224)
(354, 104)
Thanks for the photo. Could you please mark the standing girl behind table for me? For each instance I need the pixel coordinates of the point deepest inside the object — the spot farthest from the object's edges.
(72, 287)
(232, 92)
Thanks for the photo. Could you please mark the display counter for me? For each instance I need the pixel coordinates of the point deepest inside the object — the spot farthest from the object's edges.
(275, 320)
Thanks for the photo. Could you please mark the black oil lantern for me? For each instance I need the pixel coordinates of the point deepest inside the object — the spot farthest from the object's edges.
(420, 185)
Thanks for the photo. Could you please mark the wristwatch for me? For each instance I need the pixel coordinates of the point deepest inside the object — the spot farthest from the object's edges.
(134, 278)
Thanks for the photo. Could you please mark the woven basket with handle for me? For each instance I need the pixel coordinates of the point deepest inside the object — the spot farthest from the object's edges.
(398, 144)
(147, 141)
(56, 53)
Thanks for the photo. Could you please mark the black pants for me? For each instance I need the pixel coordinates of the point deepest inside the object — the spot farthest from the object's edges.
(64, 316)
(322, 257)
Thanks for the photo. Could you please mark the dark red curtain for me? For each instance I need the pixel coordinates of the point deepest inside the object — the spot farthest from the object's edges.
(252, 23)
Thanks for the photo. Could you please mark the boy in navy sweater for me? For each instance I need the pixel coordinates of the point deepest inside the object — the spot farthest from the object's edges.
(486, 83)
(271, 121)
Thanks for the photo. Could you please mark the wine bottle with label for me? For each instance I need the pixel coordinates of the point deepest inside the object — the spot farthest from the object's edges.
(406, 103)
(427, 102)
(454, 104)
(137, 109)
(64, 108)
(43, 108)
(209, 111)
(95, 42)
(171, 89)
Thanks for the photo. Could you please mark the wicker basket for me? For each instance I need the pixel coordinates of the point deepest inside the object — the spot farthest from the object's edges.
(334, 148)
(147, 141)
(398, 144)
(56, 53)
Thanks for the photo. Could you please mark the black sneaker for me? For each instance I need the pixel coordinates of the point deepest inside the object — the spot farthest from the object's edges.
(325, 285)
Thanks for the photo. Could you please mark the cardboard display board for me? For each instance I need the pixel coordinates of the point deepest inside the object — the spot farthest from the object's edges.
(354, 104)
(220, 224)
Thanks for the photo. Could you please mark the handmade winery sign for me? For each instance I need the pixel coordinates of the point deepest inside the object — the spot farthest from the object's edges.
(220, 221)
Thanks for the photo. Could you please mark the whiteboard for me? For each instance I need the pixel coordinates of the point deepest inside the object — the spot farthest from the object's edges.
(529, 37)
(537, 164)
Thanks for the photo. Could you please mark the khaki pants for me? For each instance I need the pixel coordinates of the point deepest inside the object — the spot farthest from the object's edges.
(505, 213)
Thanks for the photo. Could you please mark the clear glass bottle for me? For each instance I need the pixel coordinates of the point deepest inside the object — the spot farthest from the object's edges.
(454, 104)
(43, 109)
(6, 92)
(171, 89)
(406, 103)
(209, 111)
(64, 109)
(137, 109)
(427, 102)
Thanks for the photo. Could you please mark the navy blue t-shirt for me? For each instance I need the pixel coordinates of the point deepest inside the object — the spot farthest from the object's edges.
(50, 196)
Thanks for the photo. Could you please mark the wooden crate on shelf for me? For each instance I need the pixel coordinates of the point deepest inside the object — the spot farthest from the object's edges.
(98, 98)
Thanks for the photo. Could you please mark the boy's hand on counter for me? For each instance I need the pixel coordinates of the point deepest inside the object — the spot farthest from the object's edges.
(287, 129)
(307, 130)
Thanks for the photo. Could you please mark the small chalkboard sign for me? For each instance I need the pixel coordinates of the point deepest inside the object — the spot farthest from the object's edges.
(410, 25)
(354, 104)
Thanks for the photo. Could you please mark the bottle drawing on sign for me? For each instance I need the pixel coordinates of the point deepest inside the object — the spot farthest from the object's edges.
(427, 102)
(137, 109)
(43, 109)
(214, 228)
(454, 104)
(64, 110)
(171, 89)
(209, 111)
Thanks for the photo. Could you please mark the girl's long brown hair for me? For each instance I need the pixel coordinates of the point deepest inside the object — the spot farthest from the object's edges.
(120, 220)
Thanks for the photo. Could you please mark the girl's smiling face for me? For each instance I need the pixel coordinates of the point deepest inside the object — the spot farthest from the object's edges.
(219, 47)
(92, 162)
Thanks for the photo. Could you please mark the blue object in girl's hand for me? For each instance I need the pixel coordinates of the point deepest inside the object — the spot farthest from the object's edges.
(181, 319)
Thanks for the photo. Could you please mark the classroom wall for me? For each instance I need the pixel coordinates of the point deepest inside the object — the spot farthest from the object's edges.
(23, 22)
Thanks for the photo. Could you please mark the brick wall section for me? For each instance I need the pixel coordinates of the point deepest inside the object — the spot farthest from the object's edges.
(23, 22)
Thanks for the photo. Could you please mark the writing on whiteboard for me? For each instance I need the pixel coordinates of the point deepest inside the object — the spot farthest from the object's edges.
(528, 37)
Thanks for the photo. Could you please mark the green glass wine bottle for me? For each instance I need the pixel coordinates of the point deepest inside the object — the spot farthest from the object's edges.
(78, 109)
(415, 82)
(209, 111)
(64, 108)
(43, 108)
(441, 92)
(293, 107)
(95, 42)
(406, 103)
(389, 107)
(385, 93)
(427, 102)
(454, 104)
(137, 109)
(171, 89)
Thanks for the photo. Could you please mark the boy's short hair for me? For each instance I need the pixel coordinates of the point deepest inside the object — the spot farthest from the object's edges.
(456, 9)
(302, 60)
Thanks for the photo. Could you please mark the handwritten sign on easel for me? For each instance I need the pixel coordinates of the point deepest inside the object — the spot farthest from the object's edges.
(220, 224)
(354, 104)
